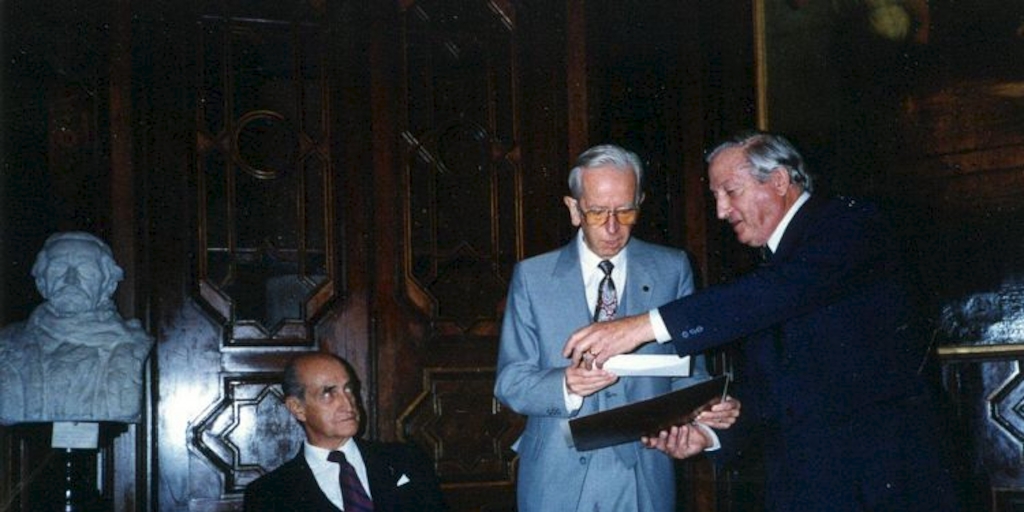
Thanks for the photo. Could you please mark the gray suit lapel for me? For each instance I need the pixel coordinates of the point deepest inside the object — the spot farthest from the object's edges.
(640, 281)
(570, 298)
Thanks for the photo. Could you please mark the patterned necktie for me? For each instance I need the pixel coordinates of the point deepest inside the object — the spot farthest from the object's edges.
(607, 301)
(352, 493)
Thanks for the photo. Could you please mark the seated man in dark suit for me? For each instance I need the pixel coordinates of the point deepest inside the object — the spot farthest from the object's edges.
(335, 470)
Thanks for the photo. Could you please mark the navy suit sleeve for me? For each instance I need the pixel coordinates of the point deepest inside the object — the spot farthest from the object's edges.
(290, 487)
(841, 251)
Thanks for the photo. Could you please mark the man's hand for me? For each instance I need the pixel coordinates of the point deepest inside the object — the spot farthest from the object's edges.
(680, 441)
(722, 415)
(584, 380)
(603, 340)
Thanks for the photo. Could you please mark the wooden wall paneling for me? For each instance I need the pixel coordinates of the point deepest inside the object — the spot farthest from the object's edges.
(550, 41)
(56, 135)
(987, 429)
(128, 478)
(346, 327)
(577, 78)
(265, 251)
(389, 321)
(646, 73)
(266, 255)
(7, 477)
(165, 143)
(686, 140)
(727, 46)
(460, 190)
(449, 103)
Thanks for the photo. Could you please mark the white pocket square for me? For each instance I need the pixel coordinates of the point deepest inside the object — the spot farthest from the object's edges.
(402, 480)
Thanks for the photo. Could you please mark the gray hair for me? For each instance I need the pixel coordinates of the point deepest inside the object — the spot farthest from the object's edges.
(291, 384)
(611, 156)
(766, 152)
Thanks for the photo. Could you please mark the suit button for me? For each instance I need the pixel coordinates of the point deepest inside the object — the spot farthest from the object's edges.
(583, 461)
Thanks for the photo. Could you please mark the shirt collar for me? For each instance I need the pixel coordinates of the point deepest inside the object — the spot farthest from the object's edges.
(589, 260)
(317, 457)
(773, 241)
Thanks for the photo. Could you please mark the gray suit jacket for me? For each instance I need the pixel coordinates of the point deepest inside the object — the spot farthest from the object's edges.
(546, 303)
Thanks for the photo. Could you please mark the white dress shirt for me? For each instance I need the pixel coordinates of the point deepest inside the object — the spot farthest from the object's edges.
(327, 472)
(592, 276)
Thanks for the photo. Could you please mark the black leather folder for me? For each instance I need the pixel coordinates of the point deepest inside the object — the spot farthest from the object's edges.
(647, 418)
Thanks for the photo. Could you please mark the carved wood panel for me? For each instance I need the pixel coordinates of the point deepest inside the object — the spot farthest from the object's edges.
(265, 201)
(248, 432)
(462, 233)
(462, 169)
(459, 421)
(988, 418)
(260, 204)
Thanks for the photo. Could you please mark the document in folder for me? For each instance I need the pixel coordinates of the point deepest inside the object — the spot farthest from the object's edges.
(629, 422)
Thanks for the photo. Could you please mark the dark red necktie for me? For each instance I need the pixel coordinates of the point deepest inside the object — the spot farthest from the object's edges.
(352, 492)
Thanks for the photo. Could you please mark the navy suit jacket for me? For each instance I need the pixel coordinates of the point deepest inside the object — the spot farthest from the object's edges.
(830, 366)
(292, 487)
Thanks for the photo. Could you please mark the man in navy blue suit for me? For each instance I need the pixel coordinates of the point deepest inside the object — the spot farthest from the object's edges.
(832, 347)
(335, 470)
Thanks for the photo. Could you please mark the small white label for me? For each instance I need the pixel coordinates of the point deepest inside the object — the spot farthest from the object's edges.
(75, 435)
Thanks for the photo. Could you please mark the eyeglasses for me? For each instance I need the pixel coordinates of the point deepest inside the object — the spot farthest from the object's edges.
(624, 216)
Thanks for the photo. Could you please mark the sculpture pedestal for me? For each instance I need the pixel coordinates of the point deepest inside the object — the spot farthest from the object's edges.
(59, 479)
(82, 478)
(80, 490)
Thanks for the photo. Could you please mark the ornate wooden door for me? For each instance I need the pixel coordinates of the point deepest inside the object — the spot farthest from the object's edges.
(349, 178)
(256, 204)
(448, 119)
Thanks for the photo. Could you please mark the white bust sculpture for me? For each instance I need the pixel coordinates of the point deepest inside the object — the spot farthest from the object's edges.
(75, 358)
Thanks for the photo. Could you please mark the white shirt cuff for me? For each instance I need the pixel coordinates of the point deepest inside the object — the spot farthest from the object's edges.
(572, 401)
(660, 331)
(710, 432)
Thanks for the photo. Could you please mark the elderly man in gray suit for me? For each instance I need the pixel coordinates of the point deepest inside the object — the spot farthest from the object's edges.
(601, 274)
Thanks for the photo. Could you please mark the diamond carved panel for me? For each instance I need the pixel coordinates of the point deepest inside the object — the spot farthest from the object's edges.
(264, 193)
(462, 168)
(248, 432)
(463, 426)
(1007, 405)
